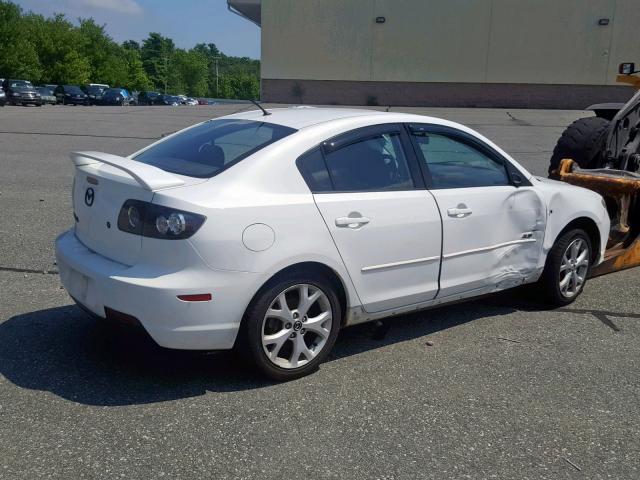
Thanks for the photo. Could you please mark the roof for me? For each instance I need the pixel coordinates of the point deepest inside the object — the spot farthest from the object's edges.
(249, 9)
(302, 117)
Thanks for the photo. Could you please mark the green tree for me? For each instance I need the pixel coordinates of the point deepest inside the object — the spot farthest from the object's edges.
(156, 53)
(73, 69)
(193, 70)
(131, 45)
(18, 56)
(55, 50)
(137, 78)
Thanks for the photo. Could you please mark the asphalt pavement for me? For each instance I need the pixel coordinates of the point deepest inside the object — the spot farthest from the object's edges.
(495, 388)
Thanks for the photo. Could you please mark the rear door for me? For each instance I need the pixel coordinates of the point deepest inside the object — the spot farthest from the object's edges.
(492, 227)
(385, 225)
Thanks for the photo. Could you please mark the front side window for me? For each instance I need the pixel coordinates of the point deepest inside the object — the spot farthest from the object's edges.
(209, 148)
(376, 163)
(453, 163)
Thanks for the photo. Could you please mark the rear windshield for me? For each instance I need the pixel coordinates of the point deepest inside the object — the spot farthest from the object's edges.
(207, 149)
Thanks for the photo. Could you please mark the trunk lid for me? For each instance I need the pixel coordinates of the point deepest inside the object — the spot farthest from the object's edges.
(102, 184)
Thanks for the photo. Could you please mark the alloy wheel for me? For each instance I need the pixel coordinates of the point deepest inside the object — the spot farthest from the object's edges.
(296, 326)
(574, 267)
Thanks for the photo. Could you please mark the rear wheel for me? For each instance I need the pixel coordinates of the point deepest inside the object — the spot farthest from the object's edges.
(567, 268)
(291, 326)
(583, 142)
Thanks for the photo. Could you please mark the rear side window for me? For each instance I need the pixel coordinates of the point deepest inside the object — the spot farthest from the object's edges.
(209, 148)
(314, 171)
(376, 163)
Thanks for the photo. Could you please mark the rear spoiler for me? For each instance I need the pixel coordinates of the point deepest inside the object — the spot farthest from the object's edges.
(148, 177)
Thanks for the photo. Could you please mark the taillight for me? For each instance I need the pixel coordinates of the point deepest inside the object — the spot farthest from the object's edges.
(156, 221)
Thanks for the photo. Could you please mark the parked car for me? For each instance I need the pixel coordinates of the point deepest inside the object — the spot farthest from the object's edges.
(273, 231)
(71, 95)
(115, 96)
(47, 95)
(171, 100)
(191, 101)
(3, 98)
(21, 92)
(149, 98)
(95, 92)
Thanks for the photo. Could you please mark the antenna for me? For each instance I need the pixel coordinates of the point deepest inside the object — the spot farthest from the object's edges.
(260, 107)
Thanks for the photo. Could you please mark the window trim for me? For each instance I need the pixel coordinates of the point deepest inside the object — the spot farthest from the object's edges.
(466, 139)
(356, 135)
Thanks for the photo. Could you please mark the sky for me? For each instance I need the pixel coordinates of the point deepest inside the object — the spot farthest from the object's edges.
(187, 22)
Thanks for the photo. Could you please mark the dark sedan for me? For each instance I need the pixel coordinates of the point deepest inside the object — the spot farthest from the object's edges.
(71, 95)
(21, 92)
(47, 95)
(115, 96)
(150, 98)
(95, 93)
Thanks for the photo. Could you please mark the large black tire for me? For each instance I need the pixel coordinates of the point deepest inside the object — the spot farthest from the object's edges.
(549, 283)
(250, 338)
(582, 141)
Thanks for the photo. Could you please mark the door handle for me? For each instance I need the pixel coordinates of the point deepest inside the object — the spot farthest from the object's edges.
(351, 222)
(460, 211)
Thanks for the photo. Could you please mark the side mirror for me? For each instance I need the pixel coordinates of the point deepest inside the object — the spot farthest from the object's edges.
(516, 179)
(627, 69)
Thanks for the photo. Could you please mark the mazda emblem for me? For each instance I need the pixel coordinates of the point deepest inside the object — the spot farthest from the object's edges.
(89, 195)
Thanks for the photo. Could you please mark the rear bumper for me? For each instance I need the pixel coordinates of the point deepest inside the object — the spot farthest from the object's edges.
(149, 294)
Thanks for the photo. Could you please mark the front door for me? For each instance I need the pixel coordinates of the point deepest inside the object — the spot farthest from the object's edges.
(492, 228)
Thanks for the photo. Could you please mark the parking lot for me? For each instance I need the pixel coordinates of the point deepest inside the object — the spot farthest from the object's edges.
(495, 388)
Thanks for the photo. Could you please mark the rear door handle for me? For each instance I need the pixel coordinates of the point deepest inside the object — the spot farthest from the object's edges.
(351, 222)
(460, 211)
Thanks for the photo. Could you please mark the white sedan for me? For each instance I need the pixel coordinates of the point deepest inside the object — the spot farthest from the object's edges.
(271, 232)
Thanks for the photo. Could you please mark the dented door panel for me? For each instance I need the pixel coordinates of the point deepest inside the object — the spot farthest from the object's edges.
(499, 242)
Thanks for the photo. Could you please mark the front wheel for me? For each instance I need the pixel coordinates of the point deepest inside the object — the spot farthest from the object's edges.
(567, 268)
(291, 326)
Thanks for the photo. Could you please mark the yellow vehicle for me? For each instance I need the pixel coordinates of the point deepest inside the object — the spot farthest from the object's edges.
(602, 153)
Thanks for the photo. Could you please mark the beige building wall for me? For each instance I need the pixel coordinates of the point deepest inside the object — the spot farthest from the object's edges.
(494, 41)
(449, 52)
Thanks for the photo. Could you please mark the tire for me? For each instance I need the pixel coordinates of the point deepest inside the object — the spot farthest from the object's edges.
(550, 281)
(582, 141)
(293, 326)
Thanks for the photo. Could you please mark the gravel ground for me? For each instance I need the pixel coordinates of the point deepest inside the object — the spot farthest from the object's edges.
(496, 388)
